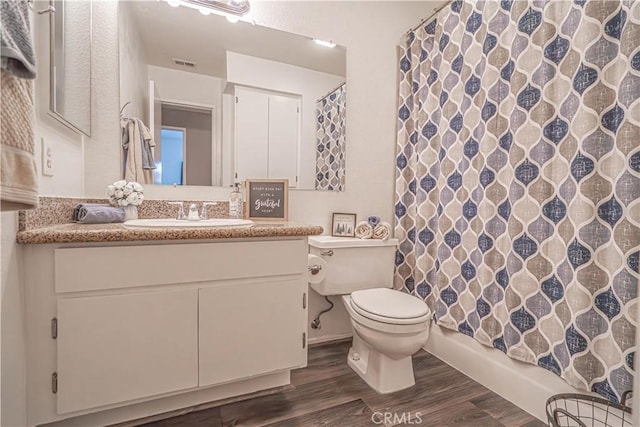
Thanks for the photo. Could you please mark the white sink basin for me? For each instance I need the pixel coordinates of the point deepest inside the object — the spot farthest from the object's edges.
(168, 222)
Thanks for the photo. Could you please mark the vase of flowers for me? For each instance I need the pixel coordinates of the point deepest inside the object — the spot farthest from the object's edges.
(127, 195)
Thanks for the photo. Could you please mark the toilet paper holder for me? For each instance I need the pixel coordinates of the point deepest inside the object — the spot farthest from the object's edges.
(315, 269)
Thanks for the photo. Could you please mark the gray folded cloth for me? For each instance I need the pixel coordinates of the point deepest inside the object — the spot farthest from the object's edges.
(76, 210)
(16, 46)
(100, 215)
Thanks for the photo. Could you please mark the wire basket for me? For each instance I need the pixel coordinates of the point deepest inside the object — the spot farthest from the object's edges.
(581, 410)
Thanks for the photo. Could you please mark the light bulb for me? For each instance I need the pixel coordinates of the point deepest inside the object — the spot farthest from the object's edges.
(204, 11)
(174, 3)
(325, 43)
(232, 19)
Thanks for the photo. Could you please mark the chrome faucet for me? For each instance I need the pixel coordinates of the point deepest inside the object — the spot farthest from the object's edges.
(205, 212)
(193, 214)
(180, 205)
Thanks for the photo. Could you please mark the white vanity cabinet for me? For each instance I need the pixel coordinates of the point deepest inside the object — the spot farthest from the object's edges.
(125, 331)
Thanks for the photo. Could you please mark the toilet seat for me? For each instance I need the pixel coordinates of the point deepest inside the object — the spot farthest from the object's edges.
(389, 306)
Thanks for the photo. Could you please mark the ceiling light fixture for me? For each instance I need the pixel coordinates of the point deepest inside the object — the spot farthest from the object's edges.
(227, 8)
(325, 43)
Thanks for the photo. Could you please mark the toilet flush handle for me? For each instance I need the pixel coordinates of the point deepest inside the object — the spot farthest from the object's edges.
(327, 252)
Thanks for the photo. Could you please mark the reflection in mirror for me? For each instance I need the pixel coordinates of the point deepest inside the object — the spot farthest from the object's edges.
(70, 98)
(192, 156)
(232, 100)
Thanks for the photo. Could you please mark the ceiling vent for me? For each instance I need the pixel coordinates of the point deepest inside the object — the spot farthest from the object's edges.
(183, 62)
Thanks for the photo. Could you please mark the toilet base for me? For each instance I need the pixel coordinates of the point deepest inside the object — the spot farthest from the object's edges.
(381, 373)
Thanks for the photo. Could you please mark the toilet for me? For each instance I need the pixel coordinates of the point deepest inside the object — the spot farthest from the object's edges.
(388, 326)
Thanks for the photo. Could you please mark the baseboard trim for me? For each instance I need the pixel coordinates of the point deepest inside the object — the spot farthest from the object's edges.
(328, 338)
(526, 386)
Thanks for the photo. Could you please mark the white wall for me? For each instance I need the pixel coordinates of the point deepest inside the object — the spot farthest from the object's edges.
(74, 71)
(102, 150)
(183, 86)
(280, 77)
(134, 80)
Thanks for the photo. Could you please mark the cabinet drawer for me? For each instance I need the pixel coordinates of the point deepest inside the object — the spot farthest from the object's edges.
(98, 268)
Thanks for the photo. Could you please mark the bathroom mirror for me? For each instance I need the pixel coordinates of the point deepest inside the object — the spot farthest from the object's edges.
(70, 64)
(228, 101)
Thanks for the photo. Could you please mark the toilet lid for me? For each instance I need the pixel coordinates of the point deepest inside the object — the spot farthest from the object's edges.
(389, 304)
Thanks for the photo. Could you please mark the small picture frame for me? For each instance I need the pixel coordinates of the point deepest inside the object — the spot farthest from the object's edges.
(267, 199)
(343, 225)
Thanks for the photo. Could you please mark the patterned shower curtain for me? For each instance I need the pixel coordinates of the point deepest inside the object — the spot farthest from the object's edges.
(518, 180)
(330, 136)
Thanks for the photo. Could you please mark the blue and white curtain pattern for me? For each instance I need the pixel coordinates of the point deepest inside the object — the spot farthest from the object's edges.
(330, 140)
(518, 180)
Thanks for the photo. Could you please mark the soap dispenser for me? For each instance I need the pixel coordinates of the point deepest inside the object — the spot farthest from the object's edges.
(235, 203)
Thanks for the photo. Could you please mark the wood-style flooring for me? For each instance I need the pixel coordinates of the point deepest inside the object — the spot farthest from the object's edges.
(328, 393)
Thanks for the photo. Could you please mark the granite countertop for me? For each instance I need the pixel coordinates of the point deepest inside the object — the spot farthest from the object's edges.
(85, 233)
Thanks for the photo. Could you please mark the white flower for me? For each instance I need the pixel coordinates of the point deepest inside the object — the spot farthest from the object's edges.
(120, 184)
(123, 193)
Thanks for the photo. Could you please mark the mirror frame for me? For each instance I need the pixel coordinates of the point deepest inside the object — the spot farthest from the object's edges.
(52, 74)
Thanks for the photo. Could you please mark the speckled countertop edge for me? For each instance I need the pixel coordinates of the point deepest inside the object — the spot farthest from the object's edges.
(87, 233)
(50, 223)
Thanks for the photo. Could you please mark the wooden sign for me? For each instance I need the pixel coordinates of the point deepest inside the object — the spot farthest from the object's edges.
(267, 199)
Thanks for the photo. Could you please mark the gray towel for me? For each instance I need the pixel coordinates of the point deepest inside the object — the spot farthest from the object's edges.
(100, 215)
(76, 210)
(147, 146)
(16, 47)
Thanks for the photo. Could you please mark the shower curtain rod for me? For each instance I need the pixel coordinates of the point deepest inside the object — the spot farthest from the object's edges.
(331, 91)
(435, 12)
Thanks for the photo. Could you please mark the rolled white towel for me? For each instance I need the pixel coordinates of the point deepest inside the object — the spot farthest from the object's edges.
(382, 231)
(364, 230)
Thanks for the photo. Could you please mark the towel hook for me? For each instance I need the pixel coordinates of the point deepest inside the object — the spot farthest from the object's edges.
(124, 106)
(49, 9)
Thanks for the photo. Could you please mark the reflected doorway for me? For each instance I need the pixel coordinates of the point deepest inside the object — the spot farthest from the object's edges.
(171, 168)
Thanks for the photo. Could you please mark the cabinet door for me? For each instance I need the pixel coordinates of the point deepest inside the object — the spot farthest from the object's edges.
(284, 134)
(118, 348)
(250, 329)
(252, 134)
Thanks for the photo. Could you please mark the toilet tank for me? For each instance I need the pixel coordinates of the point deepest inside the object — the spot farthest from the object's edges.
(353, 264)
